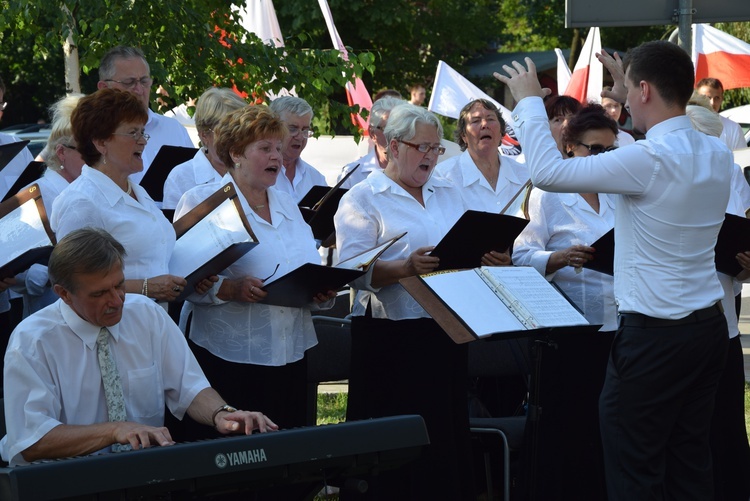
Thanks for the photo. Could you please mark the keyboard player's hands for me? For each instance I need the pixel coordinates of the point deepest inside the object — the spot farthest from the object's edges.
(244, 422)
(141, 436)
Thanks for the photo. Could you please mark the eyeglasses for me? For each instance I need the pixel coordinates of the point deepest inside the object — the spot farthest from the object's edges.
(595, 149)
(5, 104)
(135, 135)
(306, 132)
(132, 82)
(424, 148)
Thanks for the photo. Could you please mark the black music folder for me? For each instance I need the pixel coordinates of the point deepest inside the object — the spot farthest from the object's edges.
(9, 151)
(30, 174)
(734, 238)
(492, 300)
(298, 287)
(211, 237)
(475, 234)
(604, 254)
(25, 235)
(166, 159)
(319, 205)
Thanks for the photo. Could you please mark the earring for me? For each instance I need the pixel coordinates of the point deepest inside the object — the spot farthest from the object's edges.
(236, 165)
(104, 159)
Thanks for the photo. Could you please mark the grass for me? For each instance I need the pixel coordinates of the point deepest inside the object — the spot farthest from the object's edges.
(331, 407)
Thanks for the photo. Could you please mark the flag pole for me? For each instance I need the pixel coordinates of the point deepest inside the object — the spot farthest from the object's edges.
(684, 18)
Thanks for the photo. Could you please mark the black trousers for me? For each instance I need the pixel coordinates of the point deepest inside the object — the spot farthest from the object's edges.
(656, 408)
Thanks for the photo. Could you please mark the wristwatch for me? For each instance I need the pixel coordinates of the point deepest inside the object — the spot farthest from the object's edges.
(225, 407)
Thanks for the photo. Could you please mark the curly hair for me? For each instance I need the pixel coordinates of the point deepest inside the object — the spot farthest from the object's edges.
(590, 117)
(98, 115)
(245, 126)
(460, 131)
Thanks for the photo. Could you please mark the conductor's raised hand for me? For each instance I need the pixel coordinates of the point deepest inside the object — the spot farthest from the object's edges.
(420, 262)
(522, 82)
(613, 63)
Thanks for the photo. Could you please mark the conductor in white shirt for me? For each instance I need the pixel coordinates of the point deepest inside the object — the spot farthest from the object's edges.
(126, 68)
(671, 190)
(296, 176)
(56, 399)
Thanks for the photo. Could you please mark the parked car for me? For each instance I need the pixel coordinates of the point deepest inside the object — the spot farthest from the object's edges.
(741, 115)
(36, 134)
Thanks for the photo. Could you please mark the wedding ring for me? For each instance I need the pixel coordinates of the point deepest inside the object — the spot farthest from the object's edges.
(176, 289)
(252, 289)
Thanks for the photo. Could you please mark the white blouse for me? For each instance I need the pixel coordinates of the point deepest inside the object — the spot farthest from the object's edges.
(95, 200)
(305, 177)
(557, 221)
(257, 333)
(376, 210)
(479, 195)
(187, 175)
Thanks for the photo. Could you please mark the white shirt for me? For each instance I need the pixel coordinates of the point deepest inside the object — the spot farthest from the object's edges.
(52, 373)
(305, 177)
(732, 134)
(11, 172)
(187, 175)
(51, 184)
(376, 210)
(163, 131)
(558, 221)
(367, 164)
(672, 188)
(624, 139)
(257, 333)
(741, 188)
(479, 195)
(95, 200)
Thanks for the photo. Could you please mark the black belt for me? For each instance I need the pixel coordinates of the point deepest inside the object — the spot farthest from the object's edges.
(646, 322)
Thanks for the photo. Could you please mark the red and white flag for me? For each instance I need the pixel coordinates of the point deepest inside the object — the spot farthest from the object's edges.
(588, 76)
(563, 71)
(356, 93)
(719, 55)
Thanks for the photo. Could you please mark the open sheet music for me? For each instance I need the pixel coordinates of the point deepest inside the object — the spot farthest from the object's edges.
(298, 287)
(479, 302)
(319, 205)
(25, 235)
(210, 238)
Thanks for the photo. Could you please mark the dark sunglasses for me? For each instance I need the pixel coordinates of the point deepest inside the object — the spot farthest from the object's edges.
(595, 149)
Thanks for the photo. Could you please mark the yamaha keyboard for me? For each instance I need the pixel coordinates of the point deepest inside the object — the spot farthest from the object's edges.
(225, 465)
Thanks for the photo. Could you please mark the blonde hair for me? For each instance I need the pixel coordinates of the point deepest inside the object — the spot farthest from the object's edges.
(61, 132)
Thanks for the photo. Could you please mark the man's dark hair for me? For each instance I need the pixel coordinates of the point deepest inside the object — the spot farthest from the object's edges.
(665, 66)
(714, 83)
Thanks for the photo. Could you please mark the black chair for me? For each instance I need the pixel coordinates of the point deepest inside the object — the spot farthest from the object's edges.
(329, 360)
(506, 358)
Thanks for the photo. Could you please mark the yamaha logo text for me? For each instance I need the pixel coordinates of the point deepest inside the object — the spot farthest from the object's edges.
(239, 458)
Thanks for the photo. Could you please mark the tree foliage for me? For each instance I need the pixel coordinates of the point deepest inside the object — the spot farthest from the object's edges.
(190, 44)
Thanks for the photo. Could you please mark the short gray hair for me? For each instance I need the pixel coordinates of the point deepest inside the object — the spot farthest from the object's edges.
(83, 251)
(294, 105)
(402, 123)
(62, 132)
(213, 105)
(107, 64)
(382, 107)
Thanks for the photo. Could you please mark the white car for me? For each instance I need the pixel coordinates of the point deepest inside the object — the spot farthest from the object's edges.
(741, 115)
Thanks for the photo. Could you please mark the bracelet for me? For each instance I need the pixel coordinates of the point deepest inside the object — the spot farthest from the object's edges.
(144, 289)
(225, 407)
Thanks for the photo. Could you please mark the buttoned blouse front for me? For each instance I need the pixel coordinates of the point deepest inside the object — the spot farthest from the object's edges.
(558, 221)
(479, 195)
(198, 170)
(376, 210)
(52, 373)
(95, 200)
(257, 333)
(305, 177)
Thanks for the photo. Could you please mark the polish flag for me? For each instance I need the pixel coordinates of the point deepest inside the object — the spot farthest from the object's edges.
(451, 92)
(563, 71)
(356, 92)
(588, 76)
(719, 55)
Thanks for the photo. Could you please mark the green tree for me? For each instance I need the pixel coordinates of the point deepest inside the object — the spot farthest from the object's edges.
(197, 45)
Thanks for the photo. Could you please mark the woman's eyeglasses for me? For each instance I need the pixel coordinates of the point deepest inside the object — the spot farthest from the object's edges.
(424, 148)
(595, 149)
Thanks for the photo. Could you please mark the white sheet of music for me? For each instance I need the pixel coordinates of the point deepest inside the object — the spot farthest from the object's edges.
(214, 233)
(20, 231)
(469, 297)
